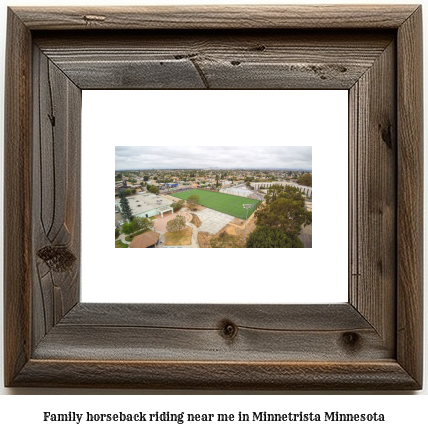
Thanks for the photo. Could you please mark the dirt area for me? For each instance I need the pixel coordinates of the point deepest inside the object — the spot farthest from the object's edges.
(226, 240)
(195, 220)
(237, 226)
(180, 238)
(234, 228)
(204, 240)
(197, 207)
(234, 236)
(221, 239)
(238, 222)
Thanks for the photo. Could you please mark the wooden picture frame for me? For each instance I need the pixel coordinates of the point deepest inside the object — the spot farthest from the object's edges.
(372, 342)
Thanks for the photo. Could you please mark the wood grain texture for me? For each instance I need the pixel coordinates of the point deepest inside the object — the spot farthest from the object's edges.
(217, 17)
(17, 199)
(373, 177)
(199, 332)
(55, 193)
(216, 59)
(374, 342)
(210, 316)
(385, 375)
(410, 197)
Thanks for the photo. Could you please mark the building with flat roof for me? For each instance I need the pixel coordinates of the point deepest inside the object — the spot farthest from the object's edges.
(303, 188)
(149, 205)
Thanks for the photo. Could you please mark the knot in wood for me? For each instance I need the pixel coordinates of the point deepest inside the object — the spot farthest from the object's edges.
(58, 259)
(386, 134)
(351, 340)
(228, 330)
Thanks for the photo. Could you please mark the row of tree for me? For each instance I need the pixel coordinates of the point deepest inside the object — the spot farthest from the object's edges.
(279, 222)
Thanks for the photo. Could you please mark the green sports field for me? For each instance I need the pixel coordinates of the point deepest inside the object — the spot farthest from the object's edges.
(222, 202)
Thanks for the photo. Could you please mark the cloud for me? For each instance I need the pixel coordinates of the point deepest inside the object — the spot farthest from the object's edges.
(206, 157)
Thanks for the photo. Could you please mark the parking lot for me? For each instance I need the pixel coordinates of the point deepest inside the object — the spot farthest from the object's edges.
(118, 217)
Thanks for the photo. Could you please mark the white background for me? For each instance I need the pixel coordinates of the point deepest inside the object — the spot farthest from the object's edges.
(210, 118)
(405, 413)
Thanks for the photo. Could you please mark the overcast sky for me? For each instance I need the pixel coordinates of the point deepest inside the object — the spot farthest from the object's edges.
(221, 157)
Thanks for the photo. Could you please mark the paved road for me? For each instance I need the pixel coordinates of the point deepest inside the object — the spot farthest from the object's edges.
(306, 236)
(122, 238)
(195, 232)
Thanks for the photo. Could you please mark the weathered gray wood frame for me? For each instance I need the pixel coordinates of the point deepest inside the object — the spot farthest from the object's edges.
(372, 342)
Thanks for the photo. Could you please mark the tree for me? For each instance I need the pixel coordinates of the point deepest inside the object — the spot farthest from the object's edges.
(141, 223)
(146, 178)
(288, 192)
(193, 199)
(305, 179)
(176, 224)
(216, 180)
(125, 209)
(153, 189)
(285, 215)
(176, 206)
(127, 228)
(264, 237)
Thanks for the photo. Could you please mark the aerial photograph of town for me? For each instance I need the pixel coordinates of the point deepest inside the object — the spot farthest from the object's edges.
(213, 197)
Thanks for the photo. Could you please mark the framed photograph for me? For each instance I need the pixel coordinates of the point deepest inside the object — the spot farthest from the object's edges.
(267, 147)
(53, 338)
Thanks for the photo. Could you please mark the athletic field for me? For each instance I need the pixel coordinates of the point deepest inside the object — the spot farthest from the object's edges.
(226, 203)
